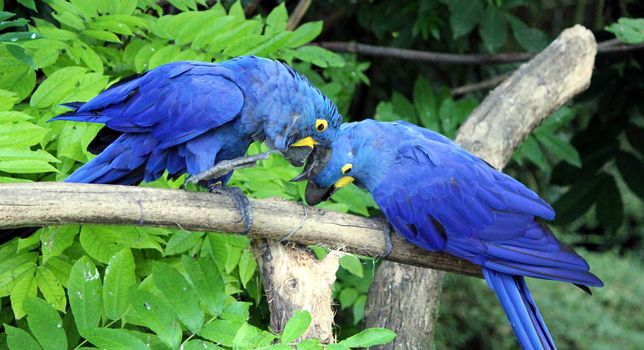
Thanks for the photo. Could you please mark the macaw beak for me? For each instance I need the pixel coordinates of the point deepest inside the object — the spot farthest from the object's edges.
(298, 152)
(314, 194)
(316, 161)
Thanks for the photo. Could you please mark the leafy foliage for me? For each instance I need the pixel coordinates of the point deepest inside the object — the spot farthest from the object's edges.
(134, 287)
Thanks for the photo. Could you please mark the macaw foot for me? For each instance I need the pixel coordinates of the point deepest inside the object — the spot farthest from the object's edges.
(389, 247)
(225, 166)
(240, 200)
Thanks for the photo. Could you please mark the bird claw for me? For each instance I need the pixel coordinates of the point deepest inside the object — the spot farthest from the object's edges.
(241, 202)
(225, 166)
(389, 247)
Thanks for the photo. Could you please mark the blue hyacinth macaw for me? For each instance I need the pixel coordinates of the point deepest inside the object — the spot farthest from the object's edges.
(186, 117)
(444, 199)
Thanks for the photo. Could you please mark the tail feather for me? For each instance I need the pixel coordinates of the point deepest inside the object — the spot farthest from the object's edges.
(522, 312)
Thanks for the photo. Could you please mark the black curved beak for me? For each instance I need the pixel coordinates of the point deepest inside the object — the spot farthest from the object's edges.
(315, 194)
(297, 155)
(314, 163)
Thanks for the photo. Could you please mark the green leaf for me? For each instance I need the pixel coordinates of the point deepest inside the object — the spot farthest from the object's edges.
(14, 267)
(318, 56)
(118, 282)
(628, 30)
(531, 39)
(251, 337)
(107, 338)
(182, 241)
(163, 56)
(305, 34)
(28, 4)
(58, 86)
(403, 107)
(221, 331)
(370, 337)
(207, 281)
(25, 287)
(296, 326)
(276, 21)
(464, 16)
(531, 150)
(45, 324)
(609, 207)
(559, 147)
(101, 35)
(17, 339)
(579, 198)
(309, 344)
(50, 288)
(158, 316)
(347, 297)
(26, 167)
(631, 169)
(180, 294)
(352, 264)
(16, 76)
(237, 310)
(358, 309)
(84, 291)
(18, 36)
(55, 239)
(26, 154)
(425, 103)
(200, 345)
(494, 28)
(20, 53)
(247, 267)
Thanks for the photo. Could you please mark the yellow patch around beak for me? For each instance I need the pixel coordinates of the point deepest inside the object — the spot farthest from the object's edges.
(307, 141)
(345, 180)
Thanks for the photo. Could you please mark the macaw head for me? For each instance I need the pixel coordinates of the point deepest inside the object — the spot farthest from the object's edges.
(356, 155)
(316, 128)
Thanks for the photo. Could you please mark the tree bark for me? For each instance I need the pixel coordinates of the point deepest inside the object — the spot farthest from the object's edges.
(52, 203)
(406, 298)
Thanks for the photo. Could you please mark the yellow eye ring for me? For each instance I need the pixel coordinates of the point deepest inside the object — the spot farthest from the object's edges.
(321, 125)
(346, 168)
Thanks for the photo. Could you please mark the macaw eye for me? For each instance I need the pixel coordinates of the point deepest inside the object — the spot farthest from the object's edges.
(321, 125)
(346, 168)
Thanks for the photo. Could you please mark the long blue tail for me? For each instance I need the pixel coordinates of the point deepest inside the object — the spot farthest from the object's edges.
(526, 321)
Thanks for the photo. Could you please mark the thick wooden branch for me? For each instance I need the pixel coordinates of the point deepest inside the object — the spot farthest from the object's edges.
(48, 203)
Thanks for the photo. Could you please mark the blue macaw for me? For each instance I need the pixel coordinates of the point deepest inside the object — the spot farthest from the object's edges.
(186, 117)
(443, 199)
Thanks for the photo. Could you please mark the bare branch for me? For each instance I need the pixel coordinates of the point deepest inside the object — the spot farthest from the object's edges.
(298, 14)
(50, 203)
(609, 46)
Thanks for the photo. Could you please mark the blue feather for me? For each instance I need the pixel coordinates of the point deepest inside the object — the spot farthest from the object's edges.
(441, 198)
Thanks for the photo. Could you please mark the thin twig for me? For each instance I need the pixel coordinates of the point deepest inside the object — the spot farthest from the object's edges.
(298, 13)
(481, 85)
(609, 46)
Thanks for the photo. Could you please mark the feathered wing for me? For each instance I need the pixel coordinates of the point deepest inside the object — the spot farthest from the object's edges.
(167, 118)
(443, 199)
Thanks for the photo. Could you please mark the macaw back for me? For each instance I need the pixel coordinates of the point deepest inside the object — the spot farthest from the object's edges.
(442, 198)
(187, 116)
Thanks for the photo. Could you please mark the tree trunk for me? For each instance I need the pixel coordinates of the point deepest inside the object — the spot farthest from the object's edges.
(493, 131)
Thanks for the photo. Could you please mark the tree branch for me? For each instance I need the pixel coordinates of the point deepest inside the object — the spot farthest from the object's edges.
(50, 203)
(609, 46)
(298, 14)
